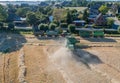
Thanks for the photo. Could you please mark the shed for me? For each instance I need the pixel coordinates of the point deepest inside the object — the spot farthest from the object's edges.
(84, 32)
(98, 33)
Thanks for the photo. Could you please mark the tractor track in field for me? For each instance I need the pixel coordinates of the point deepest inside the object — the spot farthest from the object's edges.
(83, 44)
(113, 78)
(70, 75)
(105, 70)
(6, 69)
(103, 44)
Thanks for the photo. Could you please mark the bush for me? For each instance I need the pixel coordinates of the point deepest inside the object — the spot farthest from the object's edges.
(86, 26)
(46, 27)
(63, 20)
(118, 18)
(71, 28)
(43, 27)
(56, 22)
(63, 25)
(11, 26)
(52, 26)
(111, 32)
(110, 22)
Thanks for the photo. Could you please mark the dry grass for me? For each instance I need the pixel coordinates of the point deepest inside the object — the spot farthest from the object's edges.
(35, 61)
(1, 69)
(77, 8)
(59, 14)
(22, 67)
(9, 68)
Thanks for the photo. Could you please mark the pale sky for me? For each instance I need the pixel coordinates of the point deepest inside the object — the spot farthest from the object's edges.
(44, 0)
(21, 0)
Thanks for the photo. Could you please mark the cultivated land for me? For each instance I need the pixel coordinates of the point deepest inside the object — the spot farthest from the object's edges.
(48, 61)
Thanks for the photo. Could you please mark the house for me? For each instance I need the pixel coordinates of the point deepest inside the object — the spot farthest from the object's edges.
(92, 18)
(43, 4)
(97, 19)
(79, 22)
(20, 22)
(66, 3)
(100, 20)
(24, 5)
(57, 5)
(94, 12)
(115, 25)
(94, 9)
(109, 5)
(118, 10)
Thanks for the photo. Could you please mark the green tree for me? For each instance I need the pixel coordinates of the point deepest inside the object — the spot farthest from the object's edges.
(63, 25)
(85, 15)
(45, 10)
(43, 27)
(42, 17)
(31, 18)
(119, 29)
(3, 13)
(1, 25)
(11, 26)
(74, 14)
(79, 3)
(52, 26)
(71, 28)
(103, 9)
(68, 18)
(110, 22)
(22, 11)
(41, 9)
(46, 27)
(56, 22)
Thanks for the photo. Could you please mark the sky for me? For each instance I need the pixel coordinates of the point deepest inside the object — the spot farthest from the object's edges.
(22, 0)
(44, 0)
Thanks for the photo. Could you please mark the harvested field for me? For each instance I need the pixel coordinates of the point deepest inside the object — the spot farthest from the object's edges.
(77, 8)
(8, 68)
(49, 61)
(1, 69)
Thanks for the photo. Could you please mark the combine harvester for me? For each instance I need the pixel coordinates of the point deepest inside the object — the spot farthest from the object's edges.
(71, 42)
